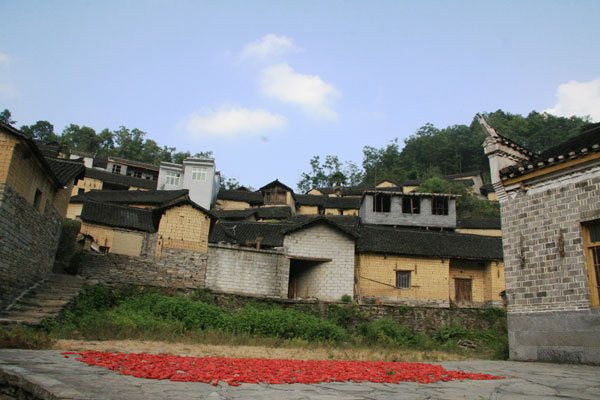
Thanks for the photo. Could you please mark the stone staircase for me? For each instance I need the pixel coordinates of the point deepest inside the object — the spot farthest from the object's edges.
(44, 300)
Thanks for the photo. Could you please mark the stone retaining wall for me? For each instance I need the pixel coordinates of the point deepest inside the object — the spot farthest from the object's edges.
(28, 242)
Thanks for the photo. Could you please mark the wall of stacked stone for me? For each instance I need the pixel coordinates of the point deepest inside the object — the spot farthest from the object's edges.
(543, 246)
(417, 319)
(243, 270)
(28, 243)
(177, 269)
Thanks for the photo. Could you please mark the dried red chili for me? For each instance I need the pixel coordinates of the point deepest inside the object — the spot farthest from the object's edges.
(235, 371)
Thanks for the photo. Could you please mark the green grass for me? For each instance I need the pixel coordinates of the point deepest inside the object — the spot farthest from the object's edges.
(102, 313)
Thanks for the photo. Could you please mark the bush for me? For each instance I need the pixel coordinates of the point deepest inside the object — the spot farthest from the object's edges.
(284, 324)
(346, 298)
(23, 337)
(386, 331)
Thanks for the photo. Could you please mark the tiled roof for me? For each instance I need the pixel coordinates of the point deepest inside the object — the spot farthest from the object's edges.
(247, 232)
(586, 143)
(342, 203)
(139, 164)
(272, 212)
(276, 183)
(230, 215)
(48, 149)
(139, 219)
(146, 197)
(66, 171)
(462, 175)
(479, 223)
(310, 200)
(119, 179)
(348, 229)
(350, 222)
(252, 198)
(423, 243)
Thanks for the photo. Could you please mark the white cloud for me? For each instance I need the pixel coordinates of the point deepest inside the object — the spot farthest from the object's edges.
(230, 122)
(310, 92)
(4, 59)
(578, 98)
(268, 46)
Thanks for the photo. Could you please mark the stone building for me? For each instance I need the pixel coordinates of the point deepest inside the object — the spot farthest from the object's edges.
(34, 193)
(550, 206)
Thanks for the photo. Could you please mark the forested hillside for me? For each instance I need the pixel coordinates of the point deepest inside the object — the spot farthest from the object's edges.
(433, 152)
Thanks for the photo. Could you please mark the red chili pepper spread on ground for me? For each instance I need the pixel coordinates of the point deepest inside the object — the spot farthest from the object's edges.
(235, 371)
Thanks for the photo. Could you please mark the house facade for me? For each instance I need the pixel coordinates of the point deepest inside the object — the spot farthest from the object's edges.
(550, 206)
(34, 193)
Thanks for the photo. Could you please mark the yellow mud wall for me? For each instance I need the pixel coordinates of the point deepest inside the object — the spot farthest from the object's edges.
(482, 232)
(102, 235)
(184, 228)
(74, 210)
(377, 277)
(308, 210)
(232, 205)
(86, 184)
(473, 270)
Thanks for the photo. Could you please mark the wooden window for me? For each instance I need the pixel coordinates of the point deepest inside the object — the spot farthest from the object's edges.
(439, 206)
(591, 239)
(403, 279)
(411, 205)
(382, 202)
(275, 196)
(116, 169)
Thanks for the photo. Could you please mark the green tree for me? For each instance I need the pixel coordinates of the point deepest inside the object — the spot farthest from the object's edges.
(383, 164)
(41, 130)
(82, 138)
(5, 117)
(331, 173)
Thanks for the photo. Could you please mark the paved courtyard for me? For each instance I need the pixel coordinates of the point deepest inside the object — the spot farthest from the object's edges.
(49, 375)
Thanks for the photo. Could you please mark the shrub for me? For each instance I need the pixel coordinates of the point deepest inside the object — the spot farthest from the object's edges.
(23, 337)
(284, 324)
(385, 331)
(346, 298)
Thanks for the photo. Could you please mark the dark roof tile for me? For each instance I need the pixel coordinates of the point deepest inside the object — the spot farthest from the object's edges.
(422, 243)
(145, 197)
(243, 233)
(66, 171)
(479, 223)
(119, 179)
(138, 219)
(273, 212)
(252, 198)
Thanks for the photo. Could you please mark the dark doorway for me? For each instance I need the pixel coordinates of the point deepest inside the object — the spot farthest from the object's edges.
(299, 281)
(462, 291)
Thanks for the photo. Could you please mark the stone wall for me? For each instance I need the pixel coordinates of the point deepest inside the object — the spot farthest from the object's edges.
(543, 271)
(549, 309)
(418, 319)
(327, 280)
(28, 242)
(245, 270)
(177, 269)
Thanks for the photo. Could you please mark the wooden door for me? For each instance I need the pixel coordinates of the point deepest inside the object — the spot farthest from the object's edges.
(462, 291)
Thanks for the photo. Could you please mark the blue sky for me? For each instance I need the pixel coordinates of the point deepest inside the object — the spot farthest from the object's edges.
(266, 85)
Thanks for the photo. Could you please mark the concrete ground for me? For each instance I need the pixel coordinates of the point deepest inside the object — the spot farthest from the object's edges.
(35, 374)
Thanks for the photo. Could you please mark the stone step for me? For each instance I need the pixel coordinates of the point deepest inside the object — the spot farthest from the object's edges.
(46, 300)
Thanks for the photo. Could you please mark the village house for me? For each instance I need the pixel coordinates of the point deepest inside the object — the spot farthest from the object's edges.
(34, 193)
(550, 206)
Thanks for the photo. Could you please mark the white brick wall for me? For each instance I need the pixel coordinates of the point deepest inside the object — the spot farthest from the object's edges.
(327, 280)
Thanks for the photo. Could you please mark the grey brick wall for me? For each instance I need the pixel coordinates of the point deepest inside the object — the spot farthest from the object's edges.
(28, 242)
(538, 277)
(328, 280)
(233, 269)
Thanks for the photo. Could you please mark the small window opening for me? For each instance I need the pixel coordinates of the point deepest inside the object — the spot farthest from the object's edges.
(116, 169)
(439, 206)
(403, 279)
(37, 199)
(382, 202)
(411, 205)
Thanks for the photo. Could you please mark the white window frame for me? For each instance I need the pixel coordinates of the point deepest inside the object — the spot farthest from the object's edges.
(172, 178)
(199, 173)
